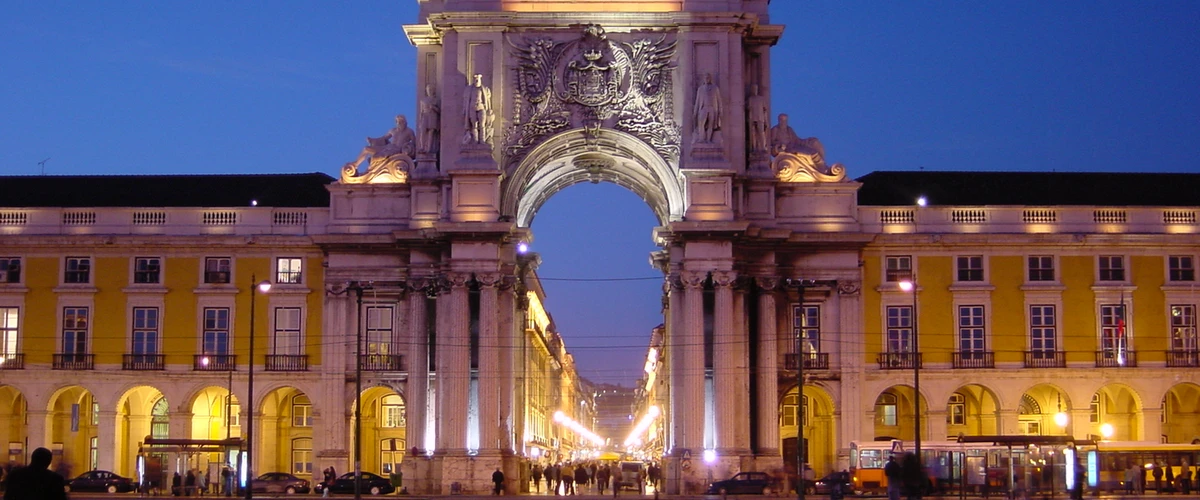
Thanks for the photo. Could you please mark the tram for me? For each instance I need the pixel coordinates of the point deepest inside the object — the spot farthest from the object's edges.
(1115, 458)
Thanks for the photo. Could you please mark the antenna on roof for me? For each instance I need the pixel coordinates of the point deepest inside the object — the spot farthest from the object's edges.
(42, 166)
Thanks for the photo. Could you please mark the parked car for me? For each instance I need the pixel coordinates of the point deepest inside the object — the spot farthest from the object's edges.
(371, 483)
(825, 485)
(100, 480)
(744, 483)
(279, 482)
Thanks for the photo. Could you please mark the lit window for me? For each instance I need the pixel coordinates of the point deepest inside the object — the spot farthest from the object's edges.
(380, 321)
(806, 328)
(1094, 409)
(10, 323)
(75, 333)
(899, 268)
(956, 411)
(301, 411)
(288, 270)
(1113, 329)
(393, 411)
(1183, 327)
(302, 456)
(885, 409)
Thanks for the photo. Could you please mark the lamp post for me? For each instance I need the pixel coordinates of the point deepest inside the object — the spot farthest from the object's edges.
(263, 287)
(357, 288)
(910, 285)
(801, 484)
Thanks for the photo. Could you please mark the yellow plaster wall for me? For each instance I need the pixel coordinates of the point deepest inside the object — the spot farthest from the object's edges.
(1150, 330)
(39, 332)
(1077, 320)
(1008, 320)
(935, 308)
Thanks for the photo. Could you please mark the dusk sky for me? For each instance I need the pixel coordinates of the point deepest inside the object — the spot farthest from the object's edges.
(271, 86)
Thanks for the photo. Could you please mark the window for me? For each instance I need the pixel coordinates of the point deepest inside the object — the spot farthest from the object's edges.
(75, 331)
(78, 270)
(146, 270)
(160, 421)
(1094, 409)
(804, 411)
(1041, 268)
(10, 321)
(970, 332)
(287, 270)
(1112, 329)
(10, 270)
(956, 410)
(392, 411)
(301, 411)
(1183, 327)
(302, 456)
(379, 329)
(806, 328)
(217, 269)
(1112, 268)
(95, 413)
(145, 333)
(899, 268)
(94, 451)
(391, 452)
(791, 411)
(1043, 334)
(235, 412)
(970, 268)
(287, 338)
(1182, 268)
(899, 329)
(216, 330)
(885, 409)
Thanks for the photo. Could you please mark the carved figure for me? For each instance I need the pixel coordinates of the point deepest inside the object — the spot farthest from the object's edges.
(708, 109)
(760, 120)
(390, 156)
(800, 160)
(477, 106)
(429, 121)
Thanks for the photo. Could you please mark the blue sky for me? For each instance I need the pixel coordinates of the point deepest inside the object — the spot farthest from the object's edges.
(270, 86)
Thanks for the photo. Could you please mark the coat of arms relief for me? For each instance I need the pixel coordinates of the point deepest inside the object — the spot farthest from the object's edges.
(592, 83)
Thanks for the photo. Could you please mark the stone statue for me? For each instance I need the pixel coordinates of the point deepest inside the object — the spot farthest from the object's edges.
(429, 121)
(760, 120)
(707, 109)
(390, 156)
(477, 106)
(798, 159)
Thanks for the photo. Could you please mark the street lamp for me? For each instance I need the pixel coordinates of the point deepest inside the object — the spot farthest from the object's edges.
(263, 287)
(910, 285)
(357, 288)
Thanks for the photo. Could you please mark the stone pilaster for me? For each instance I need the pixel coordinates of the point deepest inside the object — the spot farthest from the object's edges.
(453, 370)
(767, 370)
(726, 366)
(489, 363)
(106, 435)
(417, 393)
(690, 393)
(674, 355)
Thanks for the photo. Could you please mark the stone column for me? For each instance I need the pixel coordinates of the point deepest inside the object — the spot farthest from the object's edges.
(728, 404)
(1152, 427)
(935, 422)
(766, 382)
(1008, 422)
(106, 435)
(742, 370)
(38, 430)
(489, 363)
(690, 393)
(507, 423)
(454, 363)
(417, 386)
(674, 357)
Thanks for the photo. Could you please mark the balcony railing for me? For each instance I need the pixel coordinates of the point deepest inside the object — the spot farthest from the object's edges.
(214, 362)
(139, 362)
(973, 359)
(899, 360)
(382, 362)
(1045, 359)
(287, 362)
(1115, 359)
(14, 361)
(1183, 359)
(812, 360)
(74, 361)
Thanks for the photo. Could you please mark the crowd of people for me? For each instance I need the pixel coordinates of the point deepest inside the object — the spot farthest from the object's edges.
(578, 478)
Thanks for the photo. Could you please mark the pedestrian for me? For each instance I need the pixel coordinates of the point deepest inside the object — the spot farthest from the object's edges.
(35, 481)
(227, 480)
(551, 470)
(568, 479)
(1185, 479)
(202, 483)
(1170, 472)
(189, 483)
(498, 481)
(1157, 472)
(1130, 477)
(176, 484)
(581, 476)
(895, 476)
(537, 477)
(614, 471)
(601, 478)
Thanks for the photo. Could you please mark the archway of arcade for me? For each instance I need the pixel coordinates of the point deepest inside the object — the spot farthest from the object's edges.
(384, 420)
(814, 411)
(14, 412)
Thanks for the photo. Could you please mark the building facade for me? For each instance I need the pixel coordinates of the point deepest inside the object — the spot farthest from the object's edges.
(403, 314)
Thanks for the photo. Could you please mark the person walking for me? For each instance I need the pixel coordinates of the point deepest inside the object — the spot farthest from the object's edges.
(498, 481)
(567, 479)
(536, 474)
(601, 478)
(895, 476)
(35, 481)
(581, 477)
(1157, 473)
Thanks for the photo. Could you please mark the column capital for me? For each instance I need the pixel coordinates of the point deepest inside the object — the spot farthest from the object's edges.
(724, 279)
(767, 284)
(488, 280)
(848, 287)
(693, 280)
(457, 279)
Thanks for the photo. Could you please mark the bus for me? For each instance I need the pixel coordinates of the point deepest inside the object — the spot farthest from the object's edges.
(1115, 457)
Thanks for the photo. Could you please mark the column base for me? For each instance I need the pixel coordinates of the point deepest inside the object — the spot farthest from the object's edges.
(458, 473)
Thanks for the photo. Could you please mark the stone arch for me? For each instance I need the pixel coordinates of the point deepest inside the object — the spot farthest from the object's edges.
(897, 423)
(1181, 413)
(1120, 406)
(576, 156)
(75, 441)
(820, 430)
(1043, 402)
(14, 410)
(285, 431)
(384, 437)
(134, 421)
(980, 411)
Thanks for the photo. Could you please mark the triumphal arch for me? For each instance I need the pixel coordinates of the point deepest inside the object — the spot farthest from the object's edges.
(519, 99)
